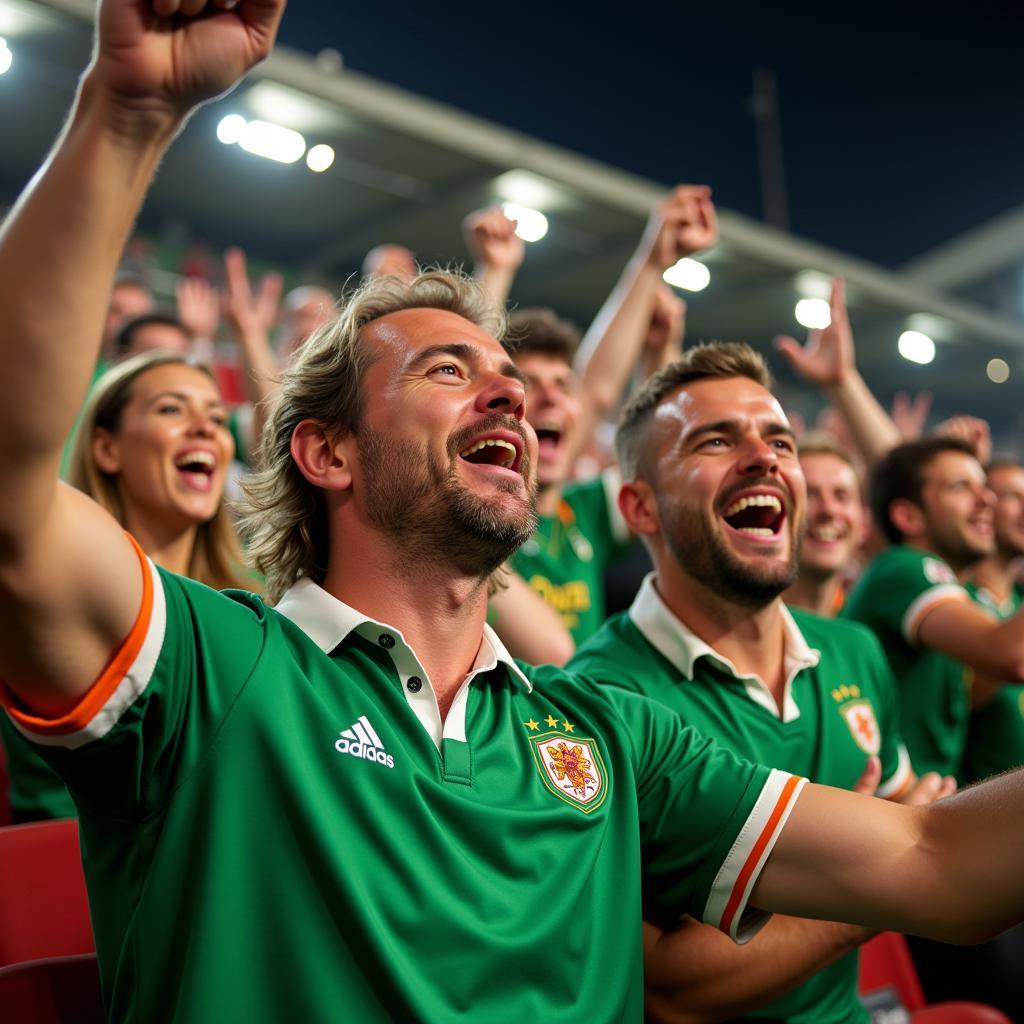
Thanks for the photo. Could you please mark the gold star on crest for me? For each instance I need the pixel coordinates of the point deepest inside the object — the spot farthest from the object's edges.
(568, 726)
(532, 725)
(552, 721)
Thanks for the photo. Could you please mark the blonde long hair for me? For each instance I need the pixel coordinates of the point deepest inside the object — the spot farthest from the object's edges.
(216, 558)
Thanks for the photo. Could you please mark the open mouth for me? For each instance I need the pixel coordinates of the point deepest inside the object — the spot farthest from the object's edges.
(826, 533)
(756, 515)
(549, 437)
(492, 451)
(197, 468)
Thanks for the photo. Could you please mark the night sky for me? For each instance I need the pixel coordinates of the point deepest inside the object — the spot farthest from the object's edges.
(900, 128)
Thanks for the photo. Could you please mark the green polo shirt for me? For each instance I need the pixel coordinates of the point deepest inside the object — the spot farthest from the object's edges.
(892, 597)
(276, 824)
(838, 707)
(995, 732)
(565, 559)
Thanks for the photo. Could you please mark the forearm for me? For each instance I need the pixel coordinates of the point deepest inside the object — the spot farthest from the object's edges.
(697, 974)
(59, 250)
(871, 427)
(612, 345)
(528, 626)
(496, 281)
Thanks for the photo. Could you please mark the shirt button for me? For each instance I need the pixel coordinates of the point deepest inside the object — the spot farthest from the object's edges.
(386, 640)
(414, 684)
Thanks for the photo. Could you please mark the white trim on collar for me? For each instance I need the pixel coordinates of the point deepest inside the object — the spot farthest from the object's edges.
(682, 647)
(328, 621)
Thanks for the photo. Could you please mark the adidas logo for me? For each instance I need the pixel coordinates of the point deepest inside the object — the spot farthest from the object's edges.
(362, 741)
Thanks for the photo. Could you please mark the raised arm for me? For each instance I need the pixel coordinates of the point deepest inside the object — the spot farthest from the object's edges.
(949, 871)
(827, 361)
(70, 585)
(684, 223)
(496, 249)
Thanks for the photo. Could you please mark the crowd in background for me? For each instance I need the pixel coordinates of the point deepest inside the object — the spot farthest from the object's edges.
(913, 543)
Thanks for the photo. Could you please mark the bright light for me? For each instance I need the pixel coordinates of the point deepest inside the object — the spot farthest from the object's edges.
(230, 129)
(531, 225)
(688, 274)
(811, 284)
(998, 371)
(814, 314)
(528, 189)
(6, 57)
(319, 158)
(917, 347)
(261, 138)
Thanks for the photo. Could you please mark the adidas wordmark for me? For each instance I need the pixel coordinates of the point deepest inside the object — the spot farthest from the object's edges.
(362, 741)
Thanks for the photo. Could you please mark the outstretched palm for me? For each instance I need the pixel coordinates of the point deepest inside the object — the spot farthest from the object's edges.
(828, 355)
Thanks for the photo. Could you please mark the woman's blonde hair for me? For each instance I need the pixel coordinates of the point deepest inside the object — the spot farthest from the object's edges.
(217, 558)
(285, 518)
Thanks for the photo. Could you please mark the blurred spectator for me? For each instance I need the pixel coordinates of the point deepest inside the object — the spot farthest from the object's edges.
(836, 526)
(390, 261)
(152, 332)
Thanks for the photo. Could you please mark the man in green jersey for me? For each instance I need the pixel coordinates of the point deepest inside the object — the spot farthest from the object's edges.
(931, 500)
(356, 804)
(580, 532)
(714, 487)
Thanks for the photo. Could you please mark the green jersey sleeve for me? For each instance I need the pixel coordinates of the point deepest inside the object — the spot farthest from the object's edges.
(708, 820)
(155, 712)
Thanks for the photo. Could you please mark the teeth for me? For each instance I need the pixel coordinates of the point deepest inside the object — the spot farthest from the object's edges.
(760, 500)
(825, 533)
(200, 457)
(756, 531)
(493, 442)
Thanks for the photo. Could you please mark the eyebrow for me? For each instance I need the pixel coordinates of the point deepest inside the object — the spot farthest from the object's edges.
(468, 354)
(182, 397)
(731, 426)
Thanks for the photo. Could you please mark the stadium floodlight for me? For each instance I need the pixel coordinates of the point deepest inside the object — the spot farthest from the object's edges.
(531, 225)
(998, 371)
(319, 158)
(916, 347)
(688, 274)
(814, 314)
(6, 57)
(272, 141)
(230, 129)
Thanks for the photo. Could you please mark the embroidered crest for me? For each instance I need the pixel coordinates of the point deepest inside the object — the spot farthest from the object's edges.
(571, 768)
(937, 572)
(860, 718)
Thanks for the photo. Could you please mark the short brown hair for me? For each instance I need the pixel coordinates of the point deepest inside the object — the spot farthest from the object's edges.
(285, 517)
(540, 330)
(821, 442)
(716, 359)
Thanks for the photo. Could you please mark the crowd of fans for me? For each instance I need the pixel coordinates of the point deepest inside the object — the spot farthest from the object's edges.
(840, 606)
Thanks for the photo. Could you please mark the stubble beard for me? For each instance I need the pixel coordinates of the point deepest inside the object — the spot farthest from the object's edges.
(431, 515)
(703, 554)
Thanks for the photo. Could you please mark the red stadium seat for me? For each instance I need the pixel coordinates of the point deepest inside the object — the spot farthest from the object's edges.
(5, 800)
(885, 962)
(44, 911)
(56, 990)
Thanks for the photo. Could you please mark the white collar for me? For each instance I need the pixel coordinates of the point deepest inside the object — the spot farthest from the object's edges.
(328, 621)
(682, 647)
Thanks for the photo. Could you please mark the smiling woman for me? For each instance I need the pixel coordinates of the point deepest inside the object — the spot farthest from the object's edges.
(153, 449)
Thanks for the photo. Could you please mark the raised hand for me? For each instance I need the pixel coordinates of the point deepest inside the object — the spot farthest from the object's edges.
(683, 223)
(974, 431)
(169, 55)
(198, 307)
(247, 312)
(911, 414)
(828, 356)
(492, 240)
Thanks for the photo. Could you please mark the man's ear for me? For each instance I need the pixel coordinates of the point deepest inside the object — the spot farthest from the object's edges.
(907, 517)
(323, 458)
(105, 452)
(639, 507)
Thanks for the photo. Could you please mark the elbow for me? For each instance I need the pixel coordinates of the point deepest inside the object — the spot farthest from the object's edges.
(557, 651)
